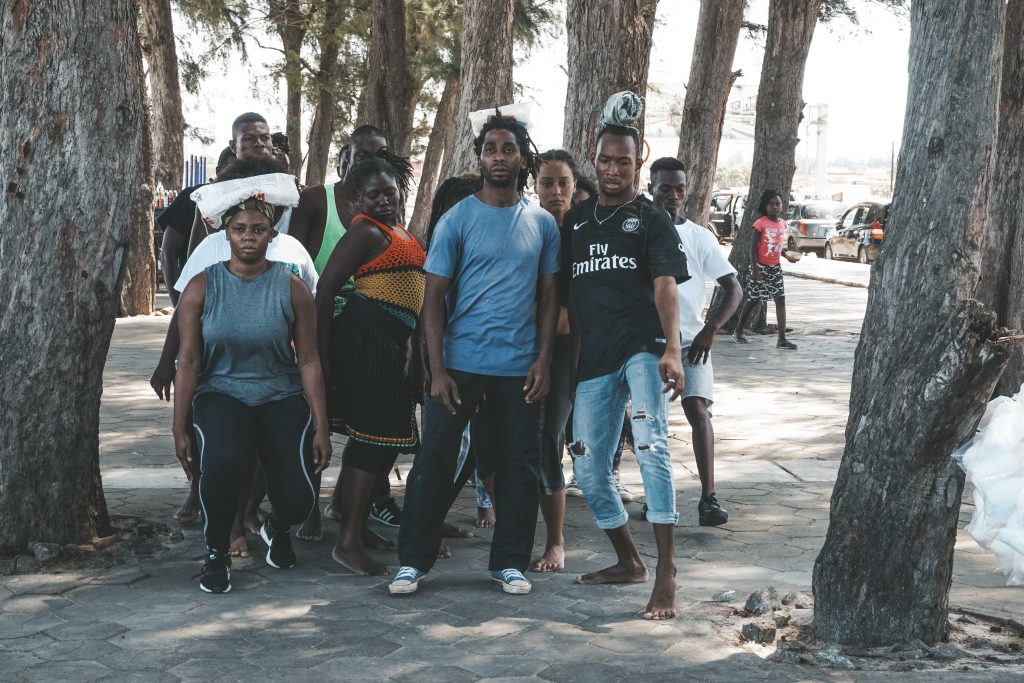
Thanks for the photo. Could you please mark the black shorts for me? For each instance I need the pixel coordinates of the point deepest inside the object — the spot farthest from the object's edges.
(770, 285)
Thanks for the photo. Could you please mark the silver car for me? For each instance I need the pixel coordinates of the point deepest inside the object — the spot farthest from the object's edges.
(809, 223)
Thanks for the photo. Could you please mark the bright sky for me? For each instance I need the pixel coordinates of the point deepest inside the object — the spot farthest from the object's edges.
(859, 71)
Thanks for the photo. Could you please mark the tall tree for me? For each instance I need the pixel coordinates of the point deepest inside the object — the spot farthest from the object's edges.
(609, 50)
(1004, 246)
(777, 120)
(485, 72)
(291, 21)
(326, 102)
(168, 120)
(442, 135)
(928, 356)
(67, 94)
(707, 94)
(392, 88)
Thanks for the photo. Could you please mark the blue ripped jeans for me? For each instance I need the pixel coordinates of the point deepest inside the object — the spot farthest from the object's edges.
(597, 423)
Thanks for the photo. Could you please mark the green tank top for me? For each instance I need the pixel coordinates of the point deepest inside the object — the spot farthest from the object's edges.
(334, 230)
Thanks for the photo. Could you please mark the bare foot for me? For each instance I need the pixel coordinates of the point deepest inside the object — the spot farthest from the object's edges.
(188, 513)
(552, 560)
(310, 529)
(238, 547)
(444, 552)
(452, 531)
(254, 520)
(357, 561)
(662, 604)
(740, 339)
(616, 573)
(373, 540)
(330, 513)
(485, 518)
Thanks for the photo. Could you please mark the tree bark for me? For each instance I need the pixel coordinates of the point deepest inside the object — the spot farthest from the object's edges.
(1004, 245)
(291, 24)
(442, 133)
(776, 125)
(391, 87)
(485, 73)
(928, 358)
(609, 50)
(707, 94)
(322, 130)
(168, 121)
(67, 214)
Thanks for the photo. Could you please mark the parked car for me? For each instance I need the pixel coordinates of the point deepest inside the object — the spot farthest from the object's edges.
(726, 214)
(859, 233)
(809, 223)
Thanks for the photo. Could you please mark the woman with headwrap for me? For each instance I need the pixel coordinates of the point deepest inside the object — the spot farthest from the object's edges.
(249, 372)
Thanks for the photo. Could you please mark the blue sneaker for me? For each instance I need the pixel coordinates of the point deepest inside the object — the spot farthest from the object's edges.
(407, 580)
(512, 581)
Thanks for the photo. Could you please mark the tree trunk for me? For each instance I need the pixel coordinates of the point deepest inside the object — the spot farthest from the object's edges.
(1004, 245)
(67, 215)
(707, 94)
(441, 135)
(168, 121)
(391, 88)
(322, 130)
(485, 74)
(927, 361)
(291, 25)
(776, 125)
(609, 50)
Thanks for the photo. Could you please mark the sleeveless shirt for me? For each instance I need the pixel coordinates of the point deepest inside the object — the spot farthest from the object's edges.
(394, 279)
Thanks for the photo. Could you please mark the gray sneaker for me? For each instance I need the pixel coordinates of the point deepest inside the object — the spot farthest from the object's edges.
(572, 488)
(625, 494)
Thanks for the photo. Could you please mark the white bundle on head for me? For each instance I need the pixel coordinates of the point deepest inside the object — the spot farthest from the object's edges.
(520, 111)
(214, 199)
(622, 109)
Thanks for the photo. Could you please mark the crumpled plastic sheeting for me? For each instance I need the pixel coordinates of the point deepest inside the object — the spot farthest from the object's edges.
(994, 462)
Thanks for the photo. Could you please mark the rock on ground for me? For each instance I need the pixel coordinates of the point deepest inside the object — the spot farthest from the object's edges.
(763, 601)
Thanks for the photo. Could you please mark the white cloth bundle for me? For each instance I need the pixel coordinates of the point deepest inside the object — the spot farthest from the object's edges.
(520, 111)
(277, 189)
(994, 462)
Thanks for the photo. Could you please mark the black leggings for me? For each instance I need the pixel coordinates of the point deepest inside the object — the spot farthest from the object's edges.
(227, 433)
(375, 460)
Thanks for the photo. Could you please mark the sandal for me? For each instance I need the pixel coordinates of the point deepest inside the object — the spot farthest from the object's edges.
(786, 345)
(740, 339)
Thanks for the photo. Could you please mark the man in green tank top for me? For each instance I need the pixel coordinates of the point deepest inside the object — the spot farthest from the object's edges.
(319, 222)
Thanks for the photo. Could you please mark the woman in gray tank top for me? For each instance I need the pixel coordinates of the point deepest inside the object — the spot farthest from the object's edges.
(245, 385)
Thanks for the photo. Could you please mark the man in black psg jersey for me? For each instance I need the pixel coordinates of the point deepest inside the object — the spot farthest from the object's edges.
(625, 262)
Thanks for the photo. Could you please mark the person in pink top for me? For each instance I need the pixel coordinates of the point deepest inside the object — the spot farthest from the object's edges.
(765, 280)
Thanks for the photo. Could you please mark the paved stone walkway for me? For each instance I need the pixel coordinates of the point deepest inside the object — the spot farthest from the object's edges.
(780, 418)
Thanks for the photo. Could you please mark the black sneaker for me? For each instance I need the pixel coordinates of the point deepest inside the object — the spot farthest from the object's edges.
(216, 575)
(387, 512)
(279, 547)
(710, 512)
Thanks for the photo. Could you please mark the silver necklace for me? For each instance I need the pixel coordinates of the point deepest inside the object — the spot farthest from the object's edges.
(609, 216)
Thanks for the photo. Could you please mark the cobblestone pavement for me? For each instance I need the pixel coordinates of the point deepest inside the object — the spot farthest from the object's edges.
(780, 418)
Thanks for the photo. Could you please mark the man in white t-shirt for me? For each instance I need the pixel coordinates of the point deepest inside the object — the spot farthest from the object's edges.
(703, 259)
(283, 249)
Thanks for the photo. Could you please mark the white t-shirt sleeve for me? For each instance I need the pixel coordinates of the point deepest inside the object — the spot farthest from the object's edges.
(289, 251)
(211, 250)
(713, 261)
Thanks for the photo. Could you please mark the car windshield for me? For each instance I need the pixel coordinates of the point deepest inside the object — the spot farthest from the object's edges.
(823, 210)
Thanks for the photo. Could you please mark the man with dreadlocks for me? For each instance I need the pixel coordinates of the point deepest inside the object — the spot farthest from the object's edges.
(494, 256)
(368, 349)
(626, 259)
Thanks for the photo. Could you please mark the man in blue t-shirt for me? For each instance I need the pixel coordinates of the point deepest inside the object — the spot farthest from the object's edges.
(493, 259)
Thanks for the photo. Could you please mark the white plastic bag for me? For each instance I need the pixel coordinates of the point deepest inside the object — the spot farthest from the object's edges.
(214, 199)
(994, 462)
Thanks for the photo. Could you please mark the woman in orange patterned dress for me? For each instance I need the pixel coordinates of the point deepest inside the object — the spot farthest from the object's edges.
(368, 349)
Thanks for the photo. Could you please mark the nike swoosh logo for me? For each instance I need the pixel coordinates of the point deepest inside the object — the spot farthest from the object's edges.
(577, 226)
